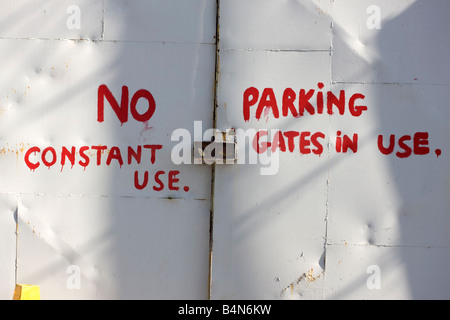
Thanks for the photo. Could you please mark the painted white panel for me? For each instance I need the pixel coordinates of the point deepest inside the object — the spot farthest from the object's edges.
(127, 243)
(407, 46)
(266, 24)
(241, 70)
(52, 19)
(372, 272)
(366, 208)
(385, 199)
(121, 247)
(50, 100)
(269, 229)
(268, 233)
(8, 217)
(192, 21)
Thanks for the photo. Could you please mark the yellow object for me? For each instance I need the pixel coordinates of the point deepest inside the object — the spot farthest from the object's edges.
(26, 292)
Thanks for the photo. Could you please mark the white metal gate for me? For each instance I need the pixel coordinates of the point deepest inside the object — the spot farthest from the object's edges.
(346, 102)
(118, 219)
(353, 204)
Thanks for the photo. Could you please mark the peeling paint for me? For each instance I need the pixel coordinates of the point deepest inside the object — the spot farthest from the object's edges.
(307, 277)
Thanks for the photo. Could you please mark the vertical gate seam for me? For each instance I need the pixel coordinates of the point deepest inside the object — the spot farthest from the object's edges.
(213, 167)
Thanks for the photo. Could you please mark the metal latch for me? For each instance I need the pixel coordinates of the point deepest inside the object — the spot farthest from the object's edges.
(220, 150)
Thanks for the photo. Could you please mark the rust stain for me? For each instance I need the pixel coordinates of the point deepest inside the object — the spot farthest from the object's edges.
(18, 149)
(93, 152)
(307, 276)
(67, 63)
(33, 229)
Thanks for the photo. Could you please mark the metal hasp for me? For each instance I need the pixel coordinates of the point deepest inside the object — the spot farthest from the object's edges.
(220, 150)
